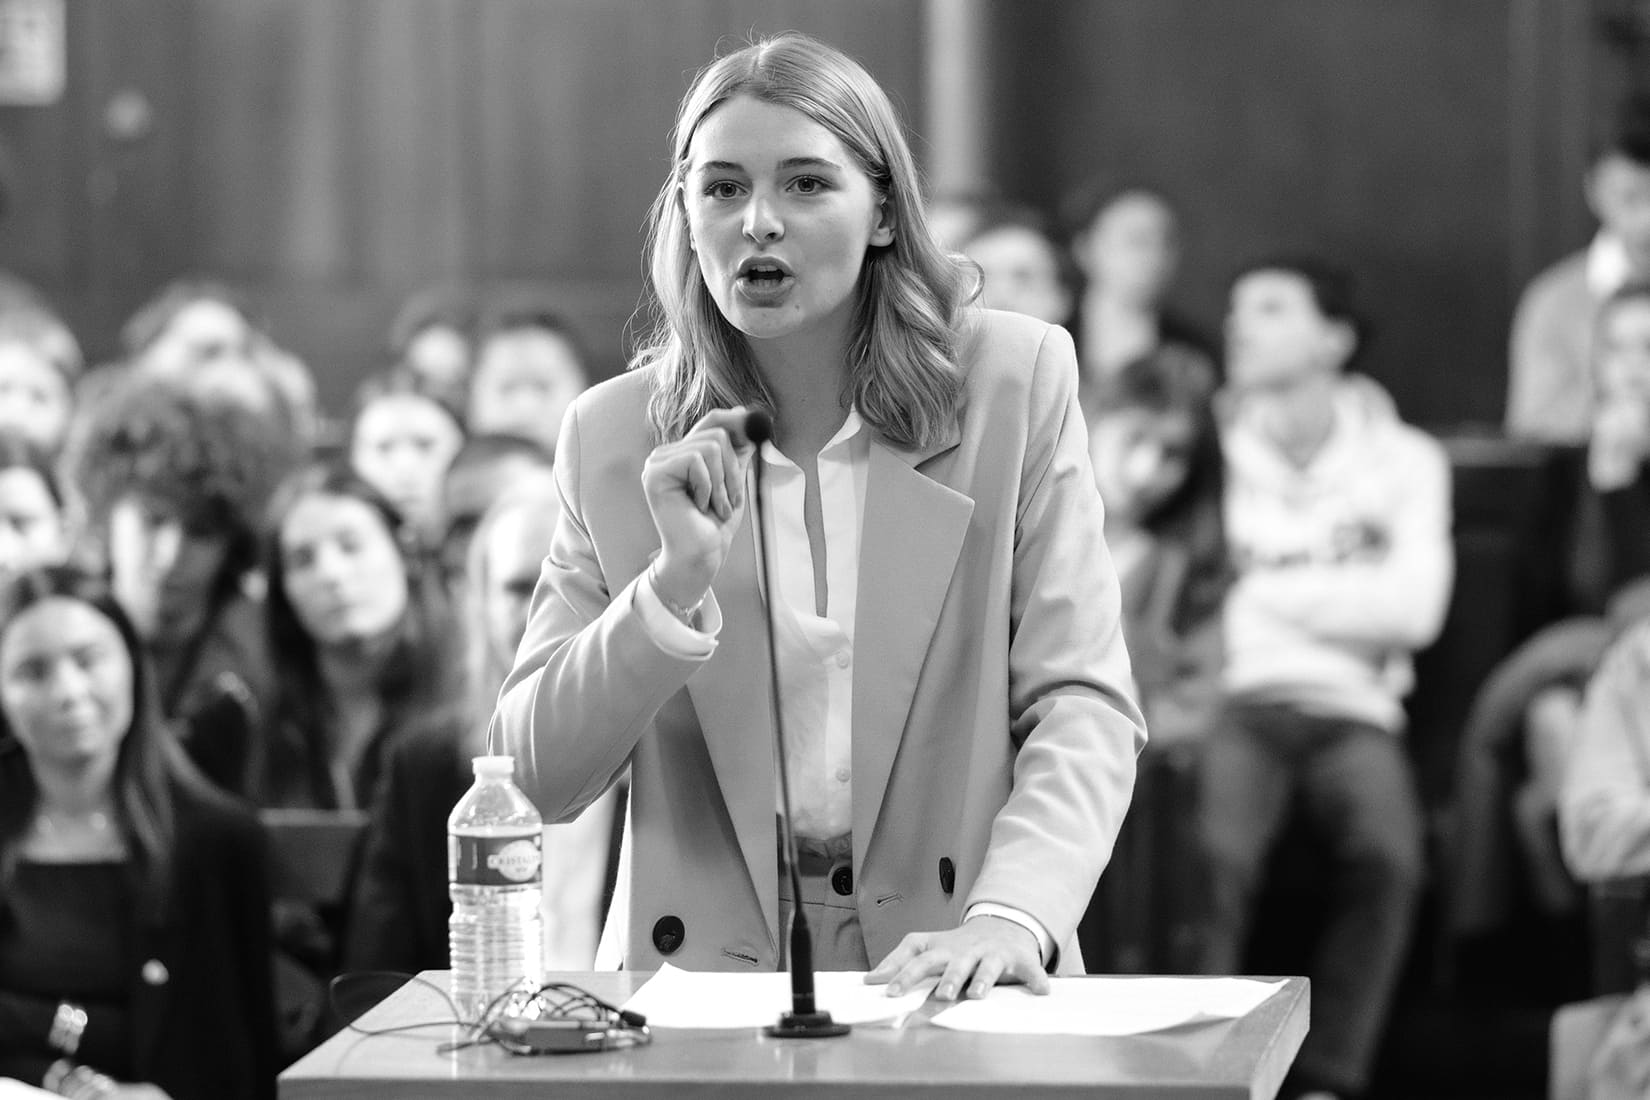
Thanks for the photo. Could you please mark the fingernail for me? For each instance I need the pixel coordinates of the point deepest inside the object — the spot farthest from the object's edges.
(946, 991)
(895, 989)
(980, 989)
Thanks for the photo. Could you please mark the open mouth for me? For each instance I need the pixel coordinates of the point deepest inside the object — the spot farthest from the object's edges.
(764, 274)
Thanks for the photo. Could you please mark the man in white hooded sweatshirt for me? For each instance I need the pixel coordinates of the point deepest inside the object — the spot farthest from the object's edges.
(1338, 516)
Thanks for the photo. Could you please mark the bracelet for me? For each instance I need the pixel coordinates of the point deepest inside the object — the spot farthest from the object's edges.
(68, 1025)
(686, 614)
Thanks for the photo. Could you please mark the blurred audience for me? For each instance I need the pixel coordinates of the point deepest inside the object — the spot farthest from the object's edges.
(202, 327)
(401, 440)
(1126, 241)
(1552, 387)
(176, 483)
(34, 513)
(1338, 515)
(40, 363)
(1604, 809)
(1157, 461)
(399, 918)
(431, 337)
(360, 635)
(484, 468)
(529, 367)
(1021, 268)
(134, 914)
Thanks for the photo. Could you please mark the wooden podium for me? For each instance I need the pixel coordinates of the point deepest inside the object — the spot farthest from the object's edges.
(1244, 1058)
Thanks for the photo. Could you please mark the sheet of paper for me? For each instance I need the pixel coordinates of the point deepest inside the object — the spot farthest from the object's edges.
(690, 998)
(1108, 1006)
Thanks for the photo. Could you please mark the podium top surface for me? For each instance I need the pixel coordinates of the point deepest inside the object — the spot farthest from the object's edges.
(1246, 1058)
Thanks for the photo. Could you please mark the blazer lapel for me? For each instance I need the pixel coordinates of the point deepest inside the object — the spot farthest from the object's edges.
(732, 697)
(912, 535)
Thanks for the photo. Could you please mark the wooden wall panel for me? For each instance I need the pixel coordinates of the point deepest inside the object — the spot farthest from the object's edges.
(1436, 148)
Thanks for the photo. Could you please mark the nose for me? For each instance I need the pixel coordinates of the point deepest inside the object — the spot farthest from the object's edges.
(165, 540)
(762, 223)
(68, 683)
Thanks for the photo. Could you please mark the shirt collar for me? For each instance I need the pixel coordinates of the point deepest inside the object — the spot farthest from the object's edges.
(851, 427)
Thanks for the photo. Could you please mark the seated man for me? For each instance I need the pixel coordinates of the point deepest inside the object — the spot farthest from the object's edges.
(1604, 804)
(1551, 388)
(1338, 518)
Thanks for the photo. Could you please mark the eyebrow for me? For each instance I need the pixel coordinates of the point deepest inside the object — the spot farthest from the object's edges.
(788, 162)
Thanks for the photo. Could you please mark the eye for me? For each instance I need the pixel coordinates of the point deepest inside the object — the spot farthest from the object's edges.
(809, 185)
(722, 189)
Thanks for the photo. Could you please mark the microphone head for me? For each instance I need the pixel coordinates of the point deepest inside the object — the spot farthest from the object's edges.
(758, 426)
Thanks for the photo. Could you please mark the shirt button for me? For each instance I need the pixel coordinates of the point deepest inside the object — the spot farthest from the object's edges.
(842, 775)
(155, 972)
(843, 659)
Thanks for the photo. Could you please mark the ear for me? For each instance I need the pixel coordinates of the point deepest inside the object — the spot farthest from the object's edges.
(1343, 342)
(883, 233)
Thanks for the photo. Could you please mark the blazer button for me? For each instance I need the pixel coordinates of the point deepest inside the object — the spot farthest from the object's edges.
(948, 874)
(668, 934)
(842, 880)
(155, 973)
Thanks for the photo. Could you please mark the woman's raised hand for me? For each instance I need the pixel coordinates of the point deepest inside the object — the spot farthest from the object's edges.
(695, 489)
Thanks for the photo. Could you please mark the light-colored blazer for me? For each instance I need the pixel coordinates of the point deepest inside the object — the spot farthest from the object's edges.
(994, 738)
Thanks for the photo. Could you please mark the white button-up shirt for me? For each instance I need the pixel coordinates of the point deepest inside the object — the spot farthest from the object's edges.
(815, 652)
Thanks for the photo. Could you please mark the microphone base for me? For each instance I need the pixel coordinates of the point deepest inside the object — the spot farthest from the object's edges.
(806, 1025)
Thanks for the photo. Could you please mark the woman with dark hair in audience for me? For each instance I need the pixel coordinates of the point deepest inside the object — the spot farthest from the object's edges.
(402, 438)
(399, 917)
(134, 934)
(1157, 461)
(360, 636)
(1126, 241)
(176, 483)
(34, 522)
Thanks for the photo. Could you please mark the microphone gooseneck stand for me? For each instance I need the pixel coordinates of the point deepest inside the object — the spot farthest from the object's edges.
(804, 1020)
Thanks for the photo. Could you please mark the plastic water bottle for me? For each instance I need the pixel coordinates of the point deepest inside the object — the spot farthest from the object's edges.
(495, 872)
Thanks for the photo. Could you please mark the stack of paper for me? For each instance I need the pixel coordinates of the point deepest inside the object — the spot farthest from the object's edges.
(1108, 1006)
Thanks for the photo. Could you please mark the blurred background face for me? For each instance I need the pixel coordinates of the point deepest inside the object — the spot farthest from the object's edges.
(1141, 458)
(515, 549)
(66, 684)
(1132, 248)
(1021, 269)
(198, 333)
(402, 446)
(1624, 350)
(32, 530)
(469, 490)
(163, 572)
(524, 381)
(342, 570)
(1618, 189)
(34, 397)
(1275, 333)
(441, 356)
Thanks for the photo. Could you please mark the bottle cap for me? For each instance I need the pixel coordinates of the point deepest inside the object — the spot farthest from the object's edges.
(493, 767)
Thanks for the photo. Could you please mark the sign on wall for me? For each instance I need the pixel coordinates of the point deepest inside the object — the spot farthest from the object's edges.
(32, 52)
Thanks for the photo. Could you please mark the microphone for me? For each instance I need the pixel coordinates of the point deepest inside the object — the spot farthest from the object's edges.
(804, 1020)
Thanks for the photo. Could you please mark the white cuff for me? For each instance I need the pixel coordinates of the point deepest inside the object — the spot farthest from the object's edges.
(1045, 942)
(670, 633)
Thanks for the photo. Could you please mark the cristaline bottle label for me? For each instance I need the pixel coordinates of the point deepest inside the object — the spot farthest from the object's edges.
(495, 860)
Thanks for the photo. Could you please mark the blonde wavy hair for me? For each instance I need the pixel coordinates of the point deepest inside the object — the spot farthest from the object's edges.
(903, 374)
